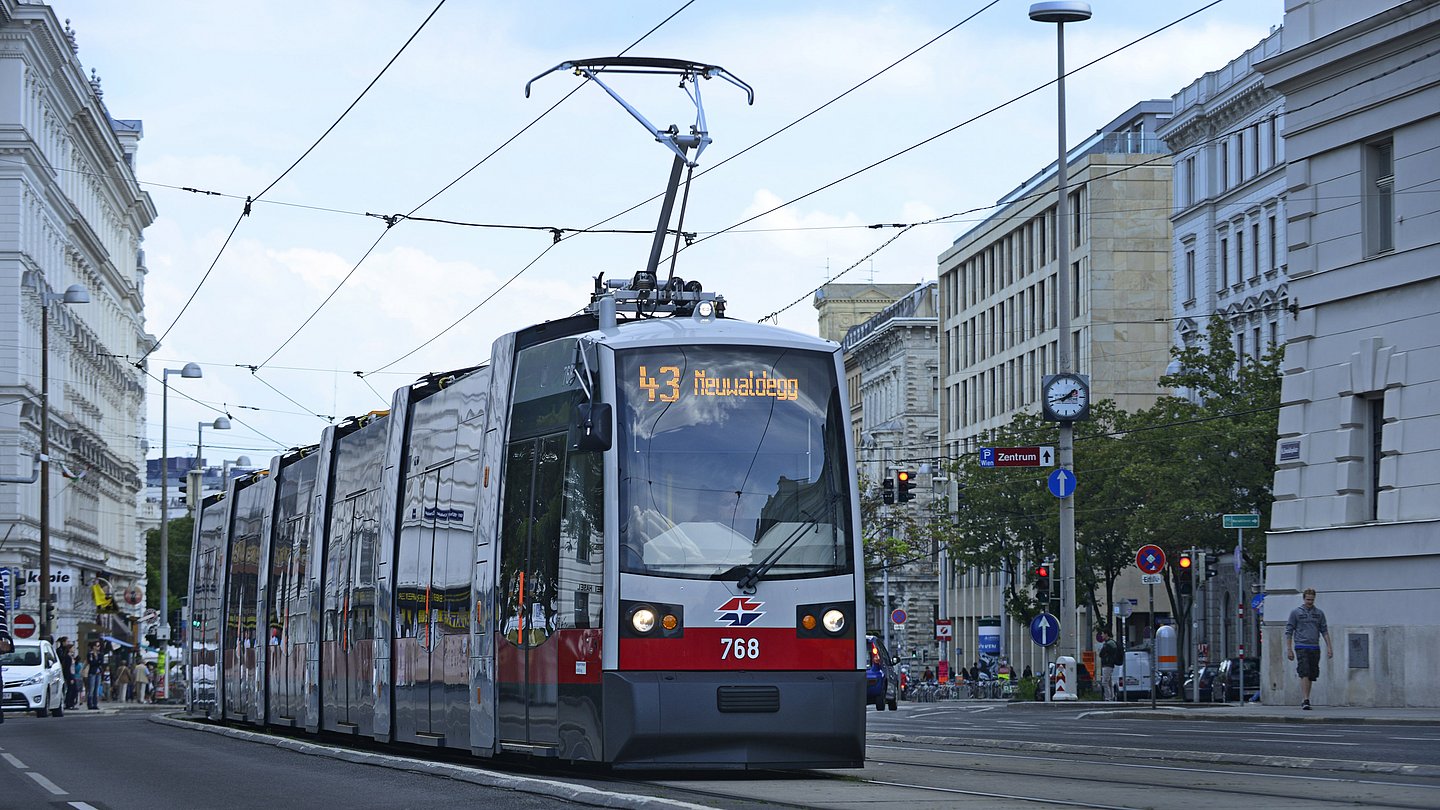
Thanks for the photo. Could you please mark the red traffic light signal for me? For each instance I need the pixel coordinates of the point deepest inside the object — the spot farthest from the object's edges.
(1042, 571)
(904, 486)
(1185, 561)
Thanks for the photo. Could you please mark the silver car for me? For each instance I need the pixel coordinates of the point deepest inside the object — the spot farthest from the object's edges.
(33, 680)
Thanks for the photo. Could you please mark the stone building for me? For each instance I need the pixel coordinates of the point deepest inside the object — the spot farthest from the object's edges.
(894, 359)
(1357, 492)
(1228, 255)
(999, 328)
(71, 213)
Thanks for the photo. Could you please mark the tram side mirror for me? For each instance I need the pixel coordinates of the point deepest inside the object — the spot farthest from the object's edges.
(590, 430)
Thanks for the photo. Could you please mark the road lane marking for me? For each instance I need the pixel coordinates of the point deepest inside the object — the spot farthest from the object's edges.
(48, 785)
(14, 760)
(1418, 739)
(1312, 742)
(1128, 734)
(1307, 735)
(83, 806)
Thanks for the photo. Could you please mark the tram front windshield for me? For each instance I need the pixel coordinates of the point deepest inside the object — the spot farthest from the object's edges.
(732, 460)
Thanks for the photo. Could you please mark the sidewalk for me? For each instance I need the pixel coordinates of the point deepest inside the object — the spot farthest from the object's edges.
(1262, 713)
(112, 708)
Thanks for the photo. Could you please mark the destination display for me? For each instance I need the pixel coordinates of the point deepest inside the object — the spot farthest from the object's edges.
(668, 384)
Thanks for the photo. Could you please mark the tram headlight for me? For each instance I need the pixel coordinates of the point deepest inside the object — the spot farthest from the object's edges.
(643, 619)
(834, 620)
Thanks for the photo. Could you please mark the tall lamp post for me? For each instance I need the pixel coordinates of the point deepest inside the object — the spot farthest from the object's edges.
(1059, 13)
(220, 423)
(190, 371)
(74, 294)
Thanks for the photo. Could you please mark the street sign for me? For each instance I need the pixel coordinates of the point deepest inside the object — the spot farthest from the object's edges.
(23, 626)
(1257, 604)
(1150, 559)
(1241, 521)
(944, 630)
(1017, 457)
(1062, 483)
(1150, 579)
(1045, 629)
(897, 616)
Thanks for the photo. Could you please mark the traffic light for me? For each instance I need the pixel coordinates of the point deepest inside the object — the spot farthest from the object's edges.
(1211, 564)
(1042, 583)
(904, 486)
(887, 490)
(1185, 575)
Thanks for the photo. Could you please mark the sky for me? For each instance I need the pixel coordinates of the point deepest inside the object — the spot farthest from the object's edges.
(311, 288)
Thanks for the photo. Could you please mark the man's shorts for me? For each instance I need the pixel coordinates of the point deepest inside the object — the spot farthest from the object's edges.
(1307, 663)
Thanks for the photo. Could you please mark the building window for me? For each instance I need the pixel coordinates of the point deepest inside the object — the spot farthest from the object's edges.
(1380, 196)
(1240, 253)
(1274, 246)
(1255, 250)
(1189, 274)
(1240, 155)
(1274, 139)
(1274, 335)
(1075, 290)
(1191, 193)
(1224, 268)
(1077, 219)
(1223, 151)
(1374, 415)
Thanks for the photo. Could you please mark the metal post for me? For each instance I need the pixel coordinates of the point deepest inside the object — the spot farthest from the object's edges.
(1153, 639)
(1061, 13)
(163, 633)
(1240, 606)
(45, 626)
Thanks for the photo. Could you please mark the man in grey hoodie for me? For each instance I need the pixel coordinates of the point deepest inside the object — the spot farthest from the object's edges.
(1303, 631)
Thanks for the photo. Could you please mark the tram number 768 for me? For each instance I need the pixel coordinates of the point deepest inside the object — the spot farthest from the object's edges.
(740, 648)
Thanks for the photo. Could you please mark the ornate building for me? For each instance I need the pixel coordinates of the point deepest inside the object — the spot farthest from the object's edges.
(71, 216)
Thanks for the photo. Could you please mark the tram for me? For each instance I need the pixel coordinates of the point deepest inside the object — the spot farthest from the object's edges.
(631, 537)
(629, 541)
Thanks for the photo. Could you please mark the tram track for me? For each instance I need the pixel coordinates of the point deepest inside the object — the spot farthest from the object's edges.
(1102, 775)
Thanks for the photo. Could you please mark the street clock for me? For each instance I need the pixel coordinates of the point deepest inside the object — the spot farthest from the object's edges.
(1065, 397)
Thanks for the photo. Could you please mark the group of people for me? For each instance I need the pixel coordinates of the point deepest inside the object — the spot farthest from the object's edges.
(102, 674)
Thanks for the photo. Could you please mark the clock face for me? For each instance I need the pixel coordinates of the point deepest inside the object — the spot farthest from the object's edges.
(1066, 396)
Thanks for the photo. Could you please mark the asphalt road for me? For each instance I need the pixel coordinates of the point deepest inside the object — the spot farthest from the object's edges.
(119, 762)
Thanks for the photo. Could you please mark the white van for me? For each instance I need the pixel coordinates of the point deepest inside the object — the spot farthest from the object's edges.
(1134, 674)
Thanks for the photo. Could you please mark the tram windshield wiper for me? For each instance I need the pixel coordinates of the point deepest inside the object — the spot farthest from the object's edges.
(750, 575)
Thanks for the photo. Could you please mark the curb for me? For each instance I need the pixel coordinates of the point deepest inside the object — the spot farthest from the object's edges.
(579, 794)
(1255, 716)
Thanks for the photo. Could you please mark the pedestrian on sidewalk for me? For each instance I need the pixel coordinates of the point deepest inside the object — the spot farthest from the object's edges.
(94, 669)
(124, 683)
(66, 653)
(1110, 657)
(1303, 631)
(142, 682)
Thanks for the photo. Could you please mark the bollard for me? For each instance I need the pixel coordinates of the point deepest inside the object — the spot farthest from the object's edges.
(1064, 665)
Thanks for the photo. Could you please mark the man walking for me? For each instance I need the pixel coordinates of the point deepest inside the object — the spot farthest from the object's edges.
(1303, 631)
(1110, 657)
(67, 669)
(94, 665)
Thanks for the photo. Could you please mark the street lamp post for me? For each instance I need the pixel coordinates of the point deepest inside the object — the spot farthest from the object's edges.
(220, 423)
(74, 294)
(1059, 13)
(190, 371)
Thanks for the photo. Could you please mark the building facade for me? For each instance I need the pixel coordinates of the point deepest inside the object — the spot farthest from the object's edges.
(1228, 254)
(1357, 509)
(895, 358)
(71, 213)
(999, 327)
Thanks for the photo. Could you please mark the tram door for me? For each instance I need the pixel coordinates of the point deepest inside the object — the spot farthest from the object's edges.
(287, 639)
(337, 684)
(435, 545)
(528, 599)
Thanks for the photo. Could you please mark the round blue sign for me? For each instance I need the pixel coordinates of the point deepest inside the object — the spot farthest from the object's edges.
(1045, 630)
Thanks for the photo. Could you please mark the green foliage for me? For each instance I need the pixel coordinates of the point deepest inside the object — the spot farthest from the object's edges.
(1163, 475)
(181, 531)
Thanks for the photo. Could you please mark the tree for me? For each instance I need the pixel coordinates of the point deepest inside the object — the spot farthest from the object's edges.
(181, 531)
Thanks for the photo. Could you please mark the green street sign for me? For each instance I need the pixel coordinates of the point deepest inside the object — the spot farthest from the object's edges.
(1242, 521)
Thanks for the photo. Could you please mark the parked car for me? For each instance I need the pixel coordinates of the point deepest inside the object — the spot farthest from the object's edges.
(1229, 676)
(33, 680)
(1207, 680)
(882, 681)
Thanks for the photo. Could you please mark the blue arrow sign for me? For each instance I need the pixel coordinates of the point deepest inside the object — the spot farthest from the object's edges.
(1062, 483)
(1045, 630)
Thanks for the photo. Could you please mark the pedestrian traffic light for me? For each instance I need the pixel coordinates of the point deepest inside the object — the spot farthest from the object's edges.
(1042, 583)
(887, 490)
(904, 486)
(1211, 564)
